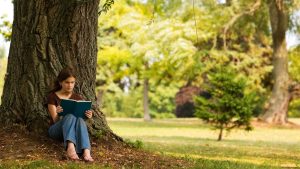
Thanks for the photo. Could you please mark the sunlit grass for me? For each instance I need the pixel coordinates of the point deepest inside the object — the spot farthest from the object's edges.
(273, 147)
(3, 64)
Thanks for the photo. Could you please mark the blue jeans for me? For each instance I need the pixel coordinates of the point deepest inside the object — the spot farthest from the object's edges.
(73, 129)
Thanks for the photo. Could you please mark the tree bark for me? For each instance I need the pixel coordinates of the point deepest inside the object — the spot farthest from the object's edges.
(280, 97)
(220, 133)
(147, 116)
(48, 35)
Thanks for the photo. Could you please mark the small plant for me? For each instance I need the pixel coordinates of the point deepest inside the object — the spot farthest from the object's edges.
(134, 144)
(99, 134)
(229, 105)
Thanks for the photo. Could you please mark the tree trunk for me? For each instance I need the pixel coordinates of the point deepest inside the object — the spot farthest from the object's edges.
(146, 100)
(220, 134)
(48, 35)
(280, 97)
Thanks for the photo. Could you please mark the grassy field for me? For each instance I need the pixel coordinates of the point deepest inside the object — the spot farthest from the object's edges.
(194, 141)
(189, 138)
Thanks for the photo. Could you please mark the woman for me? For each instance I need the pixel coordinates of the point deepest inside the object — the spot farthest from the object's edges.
(72, 130)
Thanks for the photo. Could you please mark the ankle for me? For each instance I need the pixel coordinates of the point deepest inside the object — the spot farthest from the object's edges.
(70, 144)
(86, 152)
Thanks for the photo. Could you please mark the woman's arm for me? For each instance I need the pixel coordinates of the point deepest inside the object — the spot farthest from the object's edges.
(53, 110)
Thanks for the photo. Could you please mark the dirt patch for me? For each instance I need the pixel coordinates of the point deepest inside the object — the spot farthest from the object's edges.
(16, 143)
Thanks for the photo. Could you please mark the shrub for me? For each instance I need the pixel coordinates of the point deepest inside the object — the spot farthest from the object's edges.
(166, 115)
(294, 108)
(229, 106)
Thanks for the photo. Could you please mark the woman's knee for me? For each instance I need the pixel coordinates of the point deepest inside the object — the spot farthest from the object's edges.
(69, 117)
(81, 121)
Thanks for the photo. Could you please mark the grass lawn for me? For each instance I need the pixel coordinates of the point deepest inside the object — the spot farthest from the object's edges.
(261, 148)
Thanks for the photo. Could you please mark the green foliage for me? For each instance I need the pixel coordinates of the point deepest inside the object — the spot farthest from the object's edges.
(160, 115)
(120, 104)
(5, 28)
(128, 45)
(162, 100)
(112, 65)
(229, 106)
(173, 53)
(294, 69)
(294, 108)
(99, 134)
(117, 103)
(106, 6)
(3, 65)
(294, 64)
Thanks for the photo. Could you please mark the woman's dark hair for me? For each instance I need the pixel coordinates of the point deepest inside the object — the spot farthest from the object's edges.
(63, 75)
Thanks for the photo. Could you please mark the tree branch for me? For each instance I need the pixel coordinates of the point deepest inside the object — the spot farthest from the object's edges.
(107, 5)
(250, 11)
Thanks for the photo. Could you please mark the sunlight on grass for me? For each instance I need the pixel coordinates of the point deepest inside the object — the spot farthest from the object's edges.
(3, 64)
(277, 147)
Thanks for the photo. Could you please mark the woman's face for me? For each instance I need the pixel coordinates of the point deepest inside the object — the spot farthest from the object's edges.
(68, 84)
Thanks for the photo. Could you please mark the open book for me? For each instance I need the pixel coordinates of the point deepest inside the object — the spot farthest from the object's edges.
(75, 107)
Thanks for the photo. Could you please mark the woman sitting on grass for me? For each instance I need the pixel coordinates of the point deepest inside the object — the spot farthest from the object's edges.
(72, 130)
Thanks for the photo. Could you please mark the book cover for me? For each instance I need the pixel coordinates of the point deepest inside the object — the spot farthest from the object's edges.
(75, 107)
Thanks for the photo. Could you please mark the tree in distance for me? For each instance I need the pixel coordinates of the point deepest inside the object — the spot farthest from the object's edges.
(229, 106)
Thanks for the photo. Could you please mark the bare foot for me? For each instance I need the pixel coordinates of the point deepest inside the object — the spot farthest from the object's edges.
(87, 156)
(71, 153)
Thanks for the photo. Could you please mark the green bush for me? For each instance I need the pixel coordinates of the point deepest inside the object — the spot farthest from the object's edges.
(120, 104)
(229, 106)
(117, 103)
(156, 115)
(134, 144)
(294, 108)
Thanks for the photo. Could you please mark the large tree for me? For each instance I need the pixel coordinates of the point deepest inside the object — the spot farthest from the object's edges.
(280, 97)
(48, 35)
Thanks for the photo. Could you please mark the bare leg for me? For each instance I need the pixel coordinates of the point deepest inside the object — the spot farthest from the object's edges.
(71, 153)
(87, 155)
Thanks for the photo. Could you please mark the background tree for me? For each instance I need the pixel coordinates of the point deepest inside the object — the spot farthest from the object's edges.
(159, 46)
(177, 56)
(280, 98)
(229, 105)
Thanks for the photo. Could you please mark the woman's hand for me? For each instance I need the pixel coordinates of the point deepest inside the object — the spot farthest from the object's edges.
(89, 114)
(59, 109)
